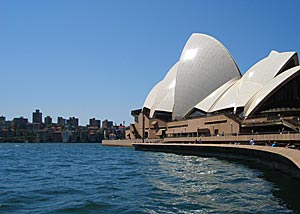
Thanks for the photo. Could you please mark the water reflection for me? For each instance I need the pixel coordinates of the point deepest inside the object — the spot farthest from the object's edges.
(196, 184)
(285, 187)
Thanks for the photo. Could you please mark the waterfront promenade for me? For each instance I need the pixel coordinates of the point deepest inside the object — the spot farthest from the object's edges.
(260, 139)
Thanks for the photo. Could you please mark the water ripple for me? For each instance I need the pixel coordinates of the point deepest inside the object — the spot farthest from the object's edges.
(89, 178)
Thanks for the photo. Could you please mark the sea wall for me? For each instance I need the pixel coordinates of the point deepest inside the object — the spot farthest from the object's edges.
(284, 159)
(127, 143)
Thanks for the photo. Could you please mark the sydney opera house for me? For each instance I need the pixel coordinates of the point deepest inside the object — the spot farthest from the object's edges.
(205, 94)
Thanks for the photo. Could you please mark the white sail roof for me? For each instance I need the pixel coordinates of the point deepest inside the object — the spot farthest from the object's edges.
(253, 81)
(208, 103)
(205, 64)
(150, 99)
(207, 78)
(164, 99)
(269, 89)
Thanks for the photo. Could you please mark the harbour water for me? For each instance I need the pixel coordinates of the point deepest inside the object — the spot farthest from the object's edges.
(90, 178)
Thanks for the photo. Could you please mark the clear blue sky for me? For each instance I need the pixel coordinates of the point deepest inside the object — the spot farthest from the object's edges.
(94, 58)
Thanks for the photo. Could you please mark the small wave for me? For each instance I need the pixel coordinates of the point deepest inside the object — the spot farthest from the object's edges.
(86, 207)
(65, 178)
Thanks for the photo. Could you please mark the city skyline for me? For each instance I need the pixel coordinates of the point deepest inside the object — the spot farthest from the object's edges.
(45, 118)
(67, 130)
(101, 58)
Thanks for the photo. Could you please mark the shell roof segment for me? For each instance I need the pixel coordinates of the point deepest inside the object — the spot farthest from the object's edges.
(253, 81)
(208, 103)
(205, 64)
(164, 99)
(270, 87)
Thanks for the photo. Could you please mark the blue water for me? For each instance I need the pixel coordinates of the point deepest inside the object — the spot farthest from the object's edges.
(90, 178)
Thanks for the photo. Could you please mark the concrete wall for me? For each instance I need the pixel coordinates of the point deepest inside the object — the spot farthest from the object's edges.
(262, 138)
(152, 127)
(127, 142)
(217, 123)
(287, 160)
